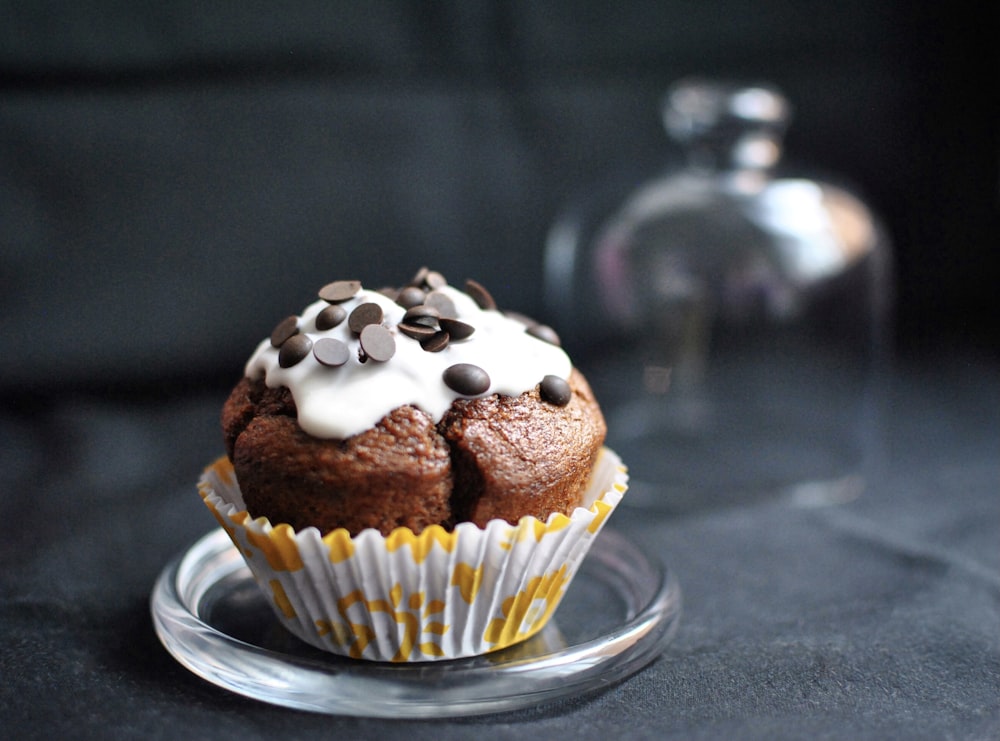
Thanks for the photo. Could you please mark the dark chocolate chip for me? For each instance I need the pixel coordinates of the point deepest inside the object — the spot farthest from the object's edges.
(377, 342)
(434, 279)
(524, 319)
(458, 330)
(480, 295)
(293, 350)
(466, 379)
(331, 352)
(285, 329)
(416, 331)
(544, 332)
(441, 302)
(339, 290)
(363, 315)
(390, 292)
(419, 278)
(422, 314)
(555, 390)
(410, 296)
(436, 342)
(330, 317)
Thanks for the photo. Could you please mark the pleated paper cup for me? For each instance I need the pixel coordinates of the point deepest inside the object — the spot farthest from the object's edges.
(404, 597)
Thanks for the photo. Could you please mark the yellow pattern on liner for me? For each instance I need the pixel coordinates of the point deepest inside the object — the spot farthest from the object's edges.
(468, 580)
(434, 606)
(344, 635)
(223, 468)
(223, 521)
(340, 543)
(557, 522)
(601, 511)
(533, 526)
(523, 616)
(421, 545)
(396, 595)
(278, 546)
(509, 538)
(363, 634)
(281, 600)
(431, 649)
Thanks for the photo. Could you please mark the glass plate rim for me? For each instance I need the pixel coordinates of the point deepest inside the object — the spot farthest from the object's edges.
(504, 681)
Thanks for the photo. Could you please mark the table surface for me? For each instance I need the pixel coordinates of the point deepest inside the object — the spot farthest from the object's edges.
(877, 618)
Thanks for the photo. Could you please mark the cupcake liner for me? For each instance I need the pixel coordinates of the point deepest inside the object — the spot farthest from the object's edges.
(403, 597)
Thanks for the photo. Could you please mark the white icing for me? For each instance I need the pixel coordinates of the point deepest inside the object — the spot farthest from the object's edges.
(340, 402)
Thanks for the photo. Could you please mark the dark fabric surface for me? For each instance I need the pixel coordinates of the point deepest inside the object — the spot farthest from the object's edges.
(876, 619)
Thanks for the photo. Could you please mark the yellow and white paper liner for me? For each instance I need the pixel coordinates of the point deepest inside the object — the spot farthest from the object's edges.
(406, 597)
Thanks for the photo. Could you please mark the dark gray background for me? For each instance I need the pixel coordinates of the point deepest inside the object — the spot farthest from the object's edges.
(175, 177)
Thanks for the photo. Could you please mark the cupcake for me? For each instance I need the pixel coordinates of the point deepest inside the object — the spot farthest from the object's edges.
(412, 474)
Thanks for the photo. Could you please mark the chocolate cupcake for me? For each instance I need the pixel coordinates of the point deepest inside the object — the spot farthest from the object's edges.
(411, 473)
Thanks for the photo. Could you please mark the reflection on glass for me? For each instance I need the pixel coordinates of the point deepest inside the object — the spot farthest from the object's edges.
(747, 311)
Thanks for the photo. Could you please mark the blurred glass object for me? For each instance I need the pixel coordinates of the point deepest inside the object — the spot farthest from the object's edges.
(735, 316)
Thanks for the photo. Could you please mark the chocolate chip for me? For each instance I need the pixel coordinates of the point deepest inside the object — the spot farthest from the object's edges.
(418, 279)
(434, 279)
(416, 331)
(436, 342)
(555, 390)
(544, 332)
(285, 329)
(535, 329)
(458, 330)
(363, 315)
(293, 350)
(480, 295)
(527, 321)
(441, 302)
(422, 314)
(410, 296)
(339, 290)
(377, 342)
(390, 292)
(466, 379)
(331, 352)
(330, 317)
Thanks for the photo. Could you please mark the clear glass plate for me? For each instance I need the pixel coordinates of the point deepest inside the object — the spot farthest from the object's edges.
(619, 613)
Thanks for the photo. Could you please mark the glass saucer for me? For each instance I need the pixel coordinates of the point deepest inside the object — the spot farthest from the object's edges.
(619, 613)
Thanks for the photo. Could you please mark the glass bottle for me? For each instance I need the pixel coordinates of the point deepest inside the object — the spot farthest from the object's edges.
(735, 316)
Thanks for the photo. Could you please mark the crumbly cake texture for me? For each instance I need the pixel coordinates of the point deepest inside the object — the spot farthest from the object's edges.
(487, 456)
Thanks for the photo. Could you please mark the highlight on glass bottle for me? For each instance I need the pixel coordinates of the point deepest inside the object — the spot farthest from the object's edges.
(736, 314)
